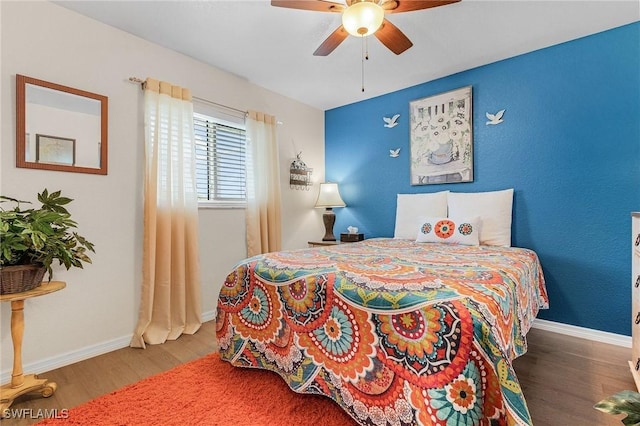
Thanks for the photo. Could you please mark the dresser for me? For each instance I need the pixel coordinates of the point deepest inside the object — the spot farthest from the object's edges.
(635, 297)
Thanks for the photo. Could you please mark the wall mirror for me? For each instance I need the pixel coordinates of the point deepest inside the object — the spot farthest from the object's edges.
(60, 128)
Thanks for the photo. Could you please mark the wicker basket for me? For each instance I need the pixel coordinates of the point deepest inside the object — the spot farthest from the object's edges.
(19, 278)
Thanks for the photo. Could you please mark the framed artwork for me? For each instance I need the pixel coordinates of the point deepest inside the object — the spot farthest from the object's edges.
(441, 138)
(55, 150)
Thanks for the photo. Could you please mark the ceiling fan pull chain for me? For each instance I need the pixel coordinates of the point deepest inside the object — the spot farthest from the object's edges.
(362, 58)
(366, 48)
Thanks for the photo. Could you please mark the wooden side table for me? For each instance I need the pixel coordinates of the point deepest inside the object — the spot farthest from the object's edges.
(322, 243)
(24, 384)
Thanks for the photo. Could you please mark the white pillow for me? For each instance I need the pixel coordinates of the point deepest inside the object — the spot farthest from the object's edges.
(494, 209)
(410, 208)
(449, 230)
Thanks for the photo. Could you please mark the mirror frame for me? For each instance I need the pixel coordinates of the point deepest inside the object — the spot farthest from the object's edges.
(21, 128)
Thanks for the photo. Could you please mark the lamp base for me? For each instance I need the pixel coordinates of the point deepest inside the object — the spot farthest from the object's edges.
(329, 218)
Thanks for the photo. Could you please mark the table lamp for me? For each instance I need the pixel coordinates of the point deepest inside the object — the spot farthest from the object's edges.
(329, 197)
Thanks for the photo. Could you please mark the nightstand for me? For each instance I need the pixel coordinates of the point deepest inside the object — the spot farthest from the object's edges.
(322, 243)
(331, 243)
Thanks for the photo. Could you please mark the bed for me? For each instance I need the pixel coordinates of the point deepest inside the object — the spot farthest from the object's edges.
(396, 332)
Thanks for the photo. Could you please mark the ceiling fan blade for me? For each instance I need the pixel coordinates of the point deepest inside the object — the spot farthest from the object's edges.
(397, 6)
(392, 37)
(388, 5)
(331, 42)
(315, 5)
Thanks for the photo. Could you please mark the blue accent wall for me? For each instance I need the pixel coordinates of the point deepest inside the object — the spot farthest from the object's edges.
(569, 146)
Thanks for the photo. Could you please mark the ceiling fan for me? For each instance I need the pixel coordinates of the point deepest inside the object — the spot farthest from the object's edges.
(362, 18)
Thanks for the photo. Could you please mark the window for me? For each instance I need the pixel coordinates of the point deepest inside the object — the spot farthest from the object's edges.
(220, 161)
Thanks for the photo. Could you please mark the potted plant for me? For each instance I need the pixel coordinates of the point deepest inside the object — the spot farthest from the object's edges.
(624, 402)
(31, 239)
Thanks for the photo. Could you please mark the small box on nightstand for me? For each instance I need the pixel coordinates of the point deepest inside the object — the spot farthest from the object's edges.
(351, 238)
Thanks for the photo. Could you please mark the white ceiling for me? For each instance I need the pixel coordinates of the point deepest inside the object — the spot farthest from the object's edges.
(273, 47)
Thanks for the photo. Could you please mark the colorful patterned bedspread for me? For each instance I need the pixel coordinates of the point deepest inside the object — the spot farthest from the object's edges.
(396, 332)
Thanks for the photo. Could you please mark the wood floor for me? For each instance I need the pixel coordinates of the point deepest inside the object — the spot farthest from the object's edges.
(561, 376)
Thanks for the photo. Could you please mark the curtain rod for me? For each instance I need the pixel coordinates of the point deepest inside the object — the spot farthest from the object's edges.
(142, 83)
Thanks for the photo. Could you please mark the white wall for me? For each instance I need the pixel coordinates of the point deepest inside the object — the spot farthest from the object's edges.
(98, 310)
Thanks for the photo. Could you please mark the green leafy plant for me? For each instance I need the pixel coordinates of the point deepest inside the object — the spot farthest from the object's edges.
(624, 402)
(40, 236)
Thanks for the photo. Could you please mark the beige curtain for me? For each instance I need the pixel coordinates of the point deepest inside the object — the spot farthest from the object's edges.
(263, 185)
(170, 302)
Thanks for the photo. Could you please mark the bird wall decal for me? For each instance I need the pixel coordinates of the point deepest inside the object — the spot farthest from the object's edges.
(391, 122)
(394, 153)
(495, 118)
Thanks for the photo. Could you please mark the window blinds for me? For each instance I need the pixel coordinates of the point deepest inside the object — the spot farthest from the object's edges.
(220, 160)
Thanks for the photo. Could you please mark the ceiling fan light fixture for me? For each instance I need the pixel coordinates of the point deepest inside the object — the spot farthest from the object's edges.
(362, 18)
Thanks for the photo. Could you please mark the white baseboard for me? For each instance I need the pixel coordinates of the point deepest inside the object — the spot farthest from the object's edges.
(64, 359)
(583, 333)
(209, 315)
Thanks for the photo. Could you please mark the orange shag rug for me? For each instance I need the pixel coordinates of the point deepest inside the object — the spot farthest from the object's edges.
(208, 391)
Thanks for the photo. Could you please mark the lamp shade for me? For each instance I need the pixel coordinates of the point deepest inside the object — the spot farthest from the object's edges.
(362, 18)
(329, 196)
